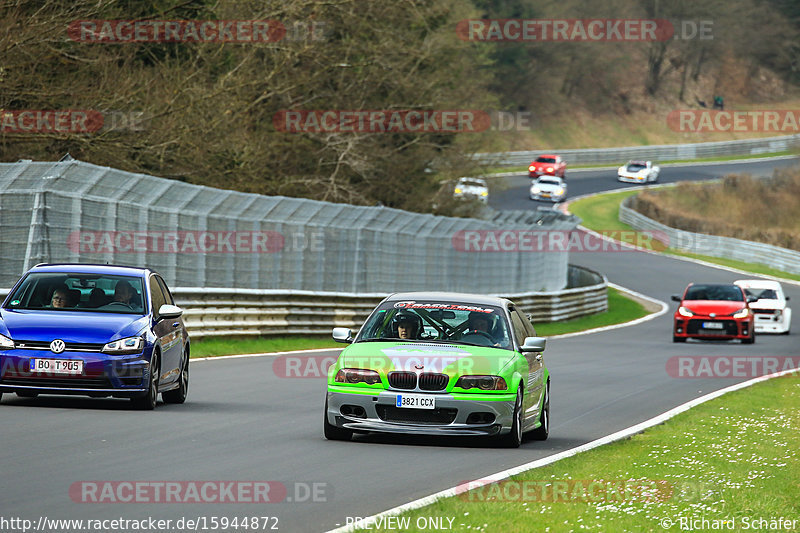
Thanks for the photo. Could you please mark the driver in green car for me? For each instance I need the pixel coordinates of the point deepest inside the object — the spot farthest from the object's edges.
(481, 322)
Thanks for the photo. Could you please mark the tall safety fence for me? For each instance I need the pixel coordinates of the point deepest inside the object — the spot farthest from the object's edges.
(664, 152)
(196, 236)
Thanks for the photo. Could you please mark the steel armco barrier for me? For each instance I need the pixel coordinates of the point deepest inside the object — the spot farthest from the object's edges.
(714, 245)
(219, 312)
(223, 312)
(663, 152)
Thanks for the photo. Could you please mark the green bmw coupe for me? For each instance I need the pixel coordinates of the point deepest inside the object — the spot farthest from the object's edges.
(440, 364)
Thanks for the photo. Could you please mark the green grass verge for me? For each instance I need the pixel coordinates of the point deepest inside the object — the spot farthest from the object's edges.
(600, 213)
(733, 458)
(214, 346)
(621, 308)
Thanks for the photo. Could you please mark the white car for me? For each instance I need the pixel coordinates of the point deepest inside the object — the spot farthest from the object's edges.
(472, 188)
(551, 188)
(638, 172)
(770, 311)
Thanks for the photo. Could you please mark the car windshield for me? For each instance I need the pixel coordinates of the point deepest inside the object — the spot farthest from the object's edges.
(545, 160)
(472, 183)
(636, 167)
(730, 293)
(79, 292)
(549, 182)
(762, 294)
(437, 321)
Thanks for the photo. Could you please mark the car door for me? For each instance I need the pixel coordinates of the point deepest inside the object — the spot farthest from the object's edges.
(168, 333)
(533, 385)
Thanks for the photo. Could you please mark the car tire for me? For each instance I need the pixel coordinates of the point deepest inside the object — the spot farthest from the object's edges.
(332, 432)
(148, 400)
(678, 339)
(751, 339)
(543, 431)
(27, 394)
(513, 439)
(179, 395)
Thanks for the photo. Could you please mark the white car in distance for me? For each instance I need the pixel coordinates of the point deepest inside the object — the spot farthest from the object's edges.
(770, 310)
(472, 188)
(638, 172)
(549, 188)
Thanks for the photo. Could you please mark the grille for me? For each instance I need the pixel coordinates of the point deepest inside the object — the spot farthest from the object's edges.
(64, 383)
(402, 380)
(70, 346)
(430, 381)
(695, 328)
(390, 413)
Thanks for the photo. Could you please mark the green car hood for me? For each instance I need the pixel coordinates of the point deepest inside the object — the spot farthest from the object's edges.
(451, 359)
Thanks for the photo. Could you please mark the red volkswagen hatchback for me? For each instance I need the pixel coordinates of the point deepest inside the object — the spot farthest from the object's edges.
(713, 312)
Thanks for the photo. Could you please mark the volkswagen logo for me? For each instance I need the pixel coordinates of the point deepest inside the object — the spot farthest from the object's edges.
(57, 346)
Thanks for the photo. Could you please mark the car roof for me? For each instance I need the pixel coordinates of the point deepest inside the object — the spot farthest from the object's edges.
(455, 297)
(757, 284)
(637, 162)
(88, 268)
(467, 178)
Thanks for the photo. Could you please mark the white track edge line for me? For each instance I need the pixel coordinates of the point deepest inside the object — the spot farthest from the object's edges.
(619, 435)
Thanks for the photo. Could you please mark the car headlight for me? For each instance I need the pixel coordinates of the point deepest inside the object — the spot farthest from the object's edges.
(482, 382)
(741, 313)
(535, 190)
(484, 193)
(532, 168)
(559, 191)
(128, 345)
(458, 191)
(357, 375)
(549, 169)
(6, 343)
(683, 311)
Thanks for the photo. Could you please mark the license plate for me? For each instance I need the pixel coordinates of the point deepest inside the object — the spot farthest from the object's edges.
(546, 194)
(713, 325)
(57, 366)
(416, 401)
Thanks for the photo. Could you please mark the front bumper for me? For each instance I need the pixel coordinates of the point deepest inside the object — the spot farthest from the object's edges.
(123, 376)
(381, 415)
(766, 323)
(632, 179)
(552, 198)
(694, 328)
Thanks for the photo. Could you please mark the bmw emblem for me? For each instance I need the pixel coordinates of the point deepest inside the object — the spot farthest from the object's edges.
(419, 366)
(57, 346)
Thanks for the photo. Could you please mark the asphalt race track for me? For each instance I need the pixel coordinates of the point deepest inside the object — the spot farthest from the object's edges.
(242, 422)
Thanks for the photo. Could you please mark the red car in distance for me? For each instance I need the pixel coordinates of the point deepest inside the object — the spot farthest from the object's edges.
(547, 164)
(714, 312)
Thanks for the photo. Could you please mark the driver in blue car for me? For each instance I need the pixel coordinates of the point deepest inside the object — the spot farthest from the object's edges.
(123, 292)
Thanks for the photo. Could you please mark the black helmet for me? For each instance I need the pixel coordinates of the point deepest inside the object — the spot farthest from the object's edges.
(407, 317)
(477, 315)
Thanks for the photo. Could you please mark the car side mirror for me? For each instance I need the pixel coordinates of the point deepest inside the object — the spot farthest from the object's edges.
(786, 298)
(169, 311)
(676, 297)
(343, 335)
(533, 344)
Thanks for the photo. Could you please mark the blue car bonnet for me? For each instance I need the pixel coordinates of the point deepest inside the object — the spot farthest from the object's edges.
(69, 326)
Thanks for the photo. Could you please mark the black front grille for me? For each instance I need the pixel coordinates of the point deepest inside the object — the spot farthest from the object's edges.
(62, 383)
(728, 328)
(431, 381)
(70, 346)
(402, 380)
(390, 413)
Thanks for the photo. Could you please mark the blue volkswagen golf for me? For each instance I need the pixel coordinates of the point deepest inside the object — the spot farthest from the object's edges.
(93, 330)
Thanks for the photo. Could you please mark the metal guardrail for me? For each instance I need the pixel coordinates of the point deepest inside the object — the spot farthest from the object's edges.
(714, 245)
(218, 312)
(663, 152)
